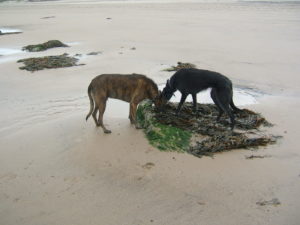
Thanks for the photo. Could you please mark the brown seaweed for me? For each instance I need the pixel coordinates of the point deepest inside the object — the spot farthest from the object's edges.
(215, 136)
(48, 62)
(272, 202)
(179, 66)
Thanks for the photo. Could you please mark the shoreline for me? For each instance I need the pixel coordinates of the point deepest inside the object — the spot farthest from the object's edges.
(234, 3)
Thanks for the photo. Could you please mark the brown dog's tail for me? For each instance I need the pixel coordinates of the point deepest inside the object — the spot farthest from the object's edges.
(91, 102)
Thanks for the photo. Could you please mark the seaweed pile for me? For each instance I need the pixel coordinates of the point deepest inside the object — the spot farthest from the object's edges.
(48, 62)
(198, 132)
(179, 66)
(44, 46)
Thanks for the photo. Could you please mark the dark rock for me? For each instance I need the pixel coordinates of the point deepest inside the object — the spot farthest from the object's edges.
(44, 46)
(273, 202)
(48, 17)
(257, 156)
(94, 53)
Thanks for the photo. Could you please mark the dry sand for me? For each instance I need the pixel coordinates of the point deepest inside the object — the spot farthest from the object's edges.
(57, 169)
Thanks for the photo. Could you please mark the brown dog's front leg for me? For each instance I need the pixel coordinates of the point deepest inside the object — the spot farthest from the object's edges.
(133, 107)
(132, 112)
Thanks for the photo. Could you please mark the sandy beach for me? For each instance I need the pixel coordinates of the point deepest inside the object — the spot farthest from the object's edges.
(56, 168)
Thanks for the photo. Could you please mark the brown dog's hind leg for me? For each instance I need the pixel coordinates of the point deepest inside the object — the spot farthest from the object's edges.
(101, 108)
(94, 114)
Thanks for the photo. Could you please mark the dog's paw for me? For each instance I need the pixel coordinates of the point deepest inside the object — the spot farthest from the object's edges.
(107, 131)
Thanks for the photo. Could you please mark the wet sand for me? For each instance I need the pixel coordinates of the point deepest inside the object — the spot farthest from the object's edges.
(56, 168)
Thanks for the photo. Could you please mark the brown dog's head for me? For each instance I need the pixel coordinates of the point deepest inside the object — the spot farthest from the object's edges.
(159, 101)
(163, 97)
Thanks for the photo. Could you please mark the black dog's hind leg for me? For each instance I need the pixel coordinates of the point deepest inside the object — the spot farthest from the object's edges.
(224, 97)
(194, 102)
(213, 95)
(182, 100)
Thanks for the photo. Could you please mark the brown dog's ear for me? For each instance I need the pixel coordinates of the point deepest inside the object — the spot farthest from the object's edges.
(158, 96)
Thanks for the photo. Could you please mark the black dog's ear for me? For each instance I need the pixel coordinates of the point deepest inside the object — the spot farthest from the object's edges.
(168, 83)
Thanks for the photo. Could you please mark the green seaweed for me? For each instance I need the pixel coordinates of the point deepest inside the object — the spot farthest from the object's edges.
(167, 138)
(164, 137)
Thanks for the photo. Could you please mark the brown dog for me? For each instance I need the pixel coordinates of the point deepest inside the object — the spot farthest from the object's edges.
(132, 88)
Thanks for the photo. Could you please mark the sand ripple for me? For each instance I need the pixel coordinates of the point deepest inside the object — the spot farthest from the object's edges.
(20, 113)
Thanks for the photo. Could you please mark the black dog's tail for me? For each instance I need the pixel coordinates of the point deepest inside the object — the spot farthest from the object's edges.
(91, 102)
(235, 109)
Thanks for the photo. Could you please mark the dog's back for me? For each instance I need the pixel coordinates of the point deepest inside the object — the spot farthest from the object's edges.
(123, 86)
(195, 80)
(131, 88)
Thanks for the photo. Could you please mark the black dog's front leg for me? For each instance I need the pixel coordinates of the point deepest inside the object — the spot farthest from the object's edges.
(195, 102)
(182, 100)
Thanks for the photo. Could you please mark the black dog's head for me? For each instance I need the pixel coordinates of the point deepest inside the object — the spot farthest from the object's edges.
(167, 93)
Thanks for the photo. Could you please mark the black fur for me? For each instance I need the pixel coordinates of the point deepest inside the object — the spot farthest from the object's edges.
(192, 81)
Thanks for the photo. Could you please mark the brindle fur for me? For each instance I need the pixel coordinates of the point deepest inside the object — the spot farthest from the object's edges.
(132, 88)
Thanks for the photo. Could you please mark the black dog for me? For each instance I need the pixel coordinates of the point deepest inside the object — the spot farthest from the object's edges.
(192, 81)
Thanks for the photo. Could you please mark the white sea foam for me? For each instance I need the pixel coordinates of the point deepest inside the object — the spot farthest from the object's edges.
(6, 30)
(73, 43)
(241, 97)
(9, 54)
(9, 51)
